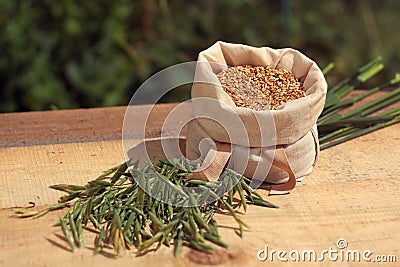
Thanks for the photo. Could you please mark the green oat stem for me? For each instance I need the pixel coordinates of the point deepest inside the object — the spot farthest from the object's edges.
(381, 99)
(68, 235)
(73, 228)
(178, 243)
(360, 133)
(328, 68)
(355, 75)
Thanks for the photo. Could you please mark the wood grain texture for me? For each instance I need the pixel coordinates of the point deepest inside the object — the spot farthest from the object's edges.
(353, 193)
(74, 126)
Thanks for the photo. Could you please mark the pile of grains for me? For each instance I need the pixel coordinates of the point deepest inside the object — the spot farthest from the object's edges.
(260, 87)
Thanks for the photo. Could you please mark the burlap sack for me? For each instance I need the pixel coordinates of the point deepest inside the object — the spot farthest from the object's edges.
(290, 131)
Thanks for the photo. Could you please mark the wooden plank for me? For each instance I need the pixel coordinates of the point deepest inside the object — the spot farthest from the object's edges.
(353, 193)
(73, 126)
(28, 171)
(313, 217)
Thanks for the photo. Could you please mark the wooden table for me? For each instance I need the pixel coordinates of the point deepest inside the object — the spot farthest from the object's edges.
(353, 193)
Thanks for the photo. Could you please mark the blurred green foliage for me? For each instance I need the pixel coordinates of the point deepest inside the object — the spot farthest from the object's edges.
(69, 53)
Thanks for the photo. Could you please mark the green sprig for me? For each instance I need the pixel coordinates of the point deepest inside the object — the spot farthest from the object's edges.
(120, 207)
(336, 126)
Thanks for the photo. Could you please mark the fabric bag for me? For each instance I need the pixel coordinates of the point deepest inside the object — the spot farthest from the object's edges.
(275, 146)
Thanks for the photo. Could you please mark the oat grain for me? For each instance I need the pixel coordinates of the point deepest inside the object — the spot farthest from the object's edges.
(260, 87)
